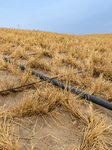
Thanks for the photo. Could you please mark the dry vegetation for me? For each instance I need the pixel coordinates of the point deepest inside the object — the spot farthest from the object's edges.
(58, 55)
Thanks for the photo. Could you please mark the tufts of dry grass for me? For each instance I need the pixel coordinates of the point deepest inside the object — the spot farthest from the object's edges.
(19, 53)
(97, 132)
(7, 140)
(44, 101)
(37, 63)
(11, 67)
(25, 77)
(4, 84)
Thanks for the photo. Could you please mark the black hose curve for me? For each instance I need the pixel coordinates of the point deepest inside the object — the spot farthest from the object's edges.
(73, 90)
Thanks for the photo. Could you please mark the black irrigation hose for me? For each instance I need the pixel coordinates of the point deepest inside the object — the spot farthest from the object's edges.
(73, 90)
(12, 89)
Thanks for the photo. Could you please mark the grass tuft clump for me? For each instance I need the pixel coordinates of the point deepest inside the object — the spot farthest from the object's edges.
(97, 132)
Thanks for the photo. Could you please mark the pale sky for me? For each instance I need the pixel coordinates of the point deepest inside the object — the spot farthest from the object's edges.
(61, 16)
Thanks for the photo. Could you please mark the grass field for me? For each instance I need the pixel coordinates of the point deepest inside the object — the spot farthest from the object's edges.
(43, 116)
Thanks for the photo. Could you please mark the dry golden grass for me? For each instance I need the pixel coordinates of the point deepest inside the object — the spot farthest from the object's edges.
(7, 140)
(97, 133)
(58, 55)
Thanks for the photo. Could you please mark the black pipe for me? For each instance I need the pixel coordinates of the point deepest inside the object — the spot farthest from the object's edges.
(73, 90)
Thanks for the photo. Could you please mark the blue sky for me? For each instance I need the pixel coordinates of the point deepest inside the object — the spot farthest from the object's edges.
(61, 16)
